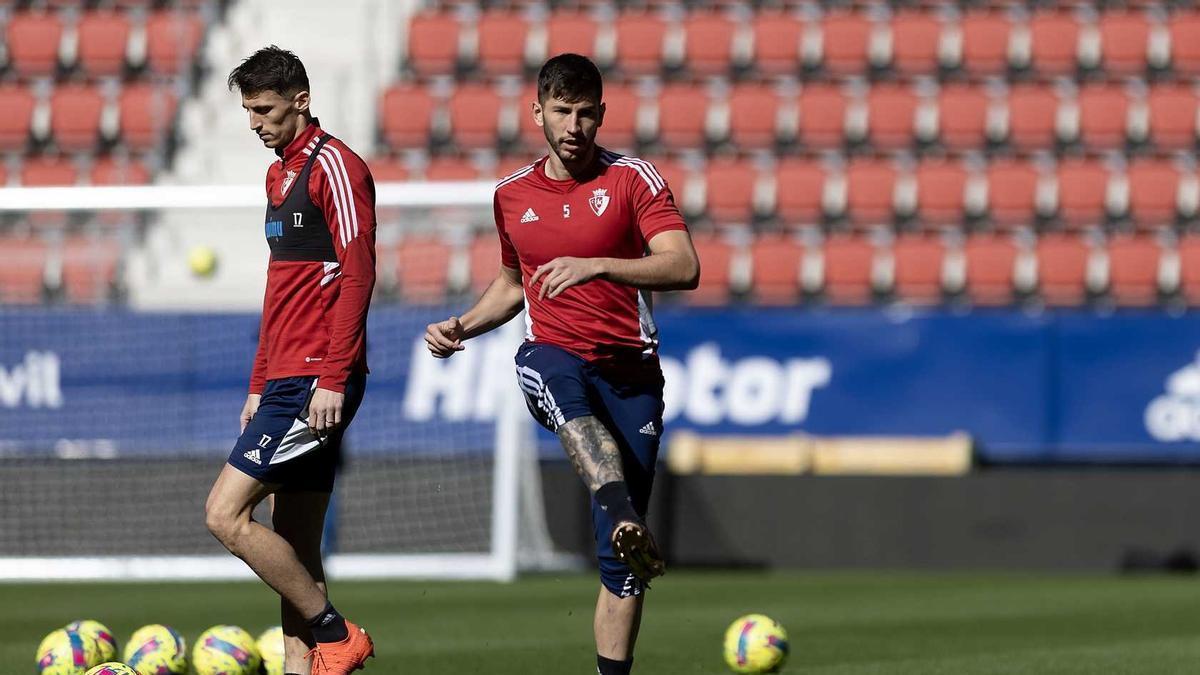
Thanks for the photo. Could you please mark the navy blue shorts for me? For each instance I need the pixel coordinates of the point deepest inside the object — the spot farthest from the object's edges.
(627, 397)
(277, 447)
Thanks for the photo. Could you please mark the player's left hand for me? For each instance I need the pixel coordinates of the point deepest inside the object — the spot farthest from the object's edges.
(325, 411)
(562, 273)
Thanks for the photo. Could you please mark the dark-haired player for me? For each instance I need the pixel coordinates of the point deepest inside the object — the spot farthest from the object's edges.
(310, 370)
(585, 235)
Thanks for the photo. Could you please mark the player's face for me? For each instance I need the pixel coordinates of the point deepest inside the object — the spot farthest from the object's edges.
(275, 118)
(570, 128)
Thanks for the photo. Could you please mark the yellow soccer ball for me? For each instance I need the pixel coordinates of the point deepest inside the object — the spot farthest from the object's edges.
(756, 644)
(112, 668)
(225, 650)
(156, 650)
(66, 652)
(270, 648)
(105, 641)
(202, 260)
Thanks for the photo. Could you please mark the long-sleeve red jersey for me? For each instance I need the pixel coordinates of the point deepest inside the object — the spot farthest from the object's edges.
(318, 285)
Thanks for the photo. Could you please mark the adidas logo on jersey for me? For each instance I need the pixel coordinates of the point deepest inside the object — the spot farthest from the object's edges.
(253, 456)
(648, 429)
(529, 216)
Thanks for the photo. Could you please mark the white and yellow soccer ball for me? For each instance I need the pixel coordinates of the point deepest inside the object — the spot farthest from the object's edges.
(112, 668)
(756, 644)
(225, 650)
(105, 641)
(66, 652)
(270, 648)
(156, 650)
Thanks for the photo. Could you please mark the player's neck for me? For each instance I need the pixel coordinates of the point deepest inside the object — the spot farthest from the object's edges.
(557, 169)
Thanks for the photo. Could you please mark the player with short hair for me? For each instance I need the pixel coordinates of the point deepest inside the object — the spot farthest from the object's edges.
(310, 370)
(585, 235)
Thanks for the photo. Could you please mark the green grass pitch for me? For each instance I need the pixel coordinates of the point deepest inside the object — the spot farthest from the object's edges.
(840, 623)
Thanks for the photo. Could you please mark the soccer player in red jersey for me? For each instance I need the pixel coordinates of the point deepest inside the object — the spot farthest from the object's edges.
(310, 369)
(585, 235)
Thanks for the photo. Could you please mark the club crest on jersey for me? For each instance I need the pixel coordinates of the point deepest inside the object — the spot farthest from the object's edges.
(287, 182)
(599, 201)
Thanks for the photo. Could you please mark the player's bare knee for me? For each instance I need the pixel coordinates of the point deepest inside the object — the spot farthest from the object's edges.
(222, 521)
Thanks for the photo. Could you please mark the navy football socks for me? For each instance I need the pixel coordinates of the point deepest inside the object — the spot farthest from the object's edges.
(615, 500)
(609, 667)
(328, 625)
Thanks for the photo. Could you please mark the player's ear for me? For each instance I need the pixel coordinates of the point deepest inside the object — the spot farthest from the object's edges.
(600, 116)
(301, 101)
(538, 117)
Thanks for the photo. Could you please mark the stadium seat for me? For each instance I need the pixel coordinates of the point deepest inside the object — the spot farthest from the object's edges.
(89, 269)
(1133, 270)
(963, 116)
(870, 191)
(75, 111)
(916, 37)
(1082, 191)
(753, 113)
(775, 271)
(709, 46)
(941, 191)
(1153, 188)
(1054, 43)
(569, 31)
(730, 186)
(407, 113)
(621, 105)
(716, 259)
(1185, 48)
(777, 37)
(991, 261)
(891, 116)
(422, 268)
(1062, 261)
(474, 116)
(682, 116)
(640, 43)
(1103, 116)
(1189, 268)
(1012, 191)
(849, 261)
(103, 39)
(1032, 112)
(799, 190)
(502, 36)
(845, 42)
(18, 104)
(451, 168)
(433, 43)
(32, 43)
(48, 171)
(484, 259)
(110, 171)
(172, 40)
(985, 40)
(1173, 114)
(1124, 42)
(918, 268)
(822, 116)
(147, 115)
(388, 170)
(22, 276)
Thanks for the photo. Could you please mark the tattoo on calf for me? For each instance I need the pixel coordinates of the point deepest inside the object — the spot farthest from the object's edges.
(592, 450)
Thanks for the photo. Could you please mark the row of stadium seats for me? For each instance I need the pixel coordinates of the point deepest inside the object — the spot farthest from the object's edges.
(752, 116)
(76, 269)
(1059, 269)
(79, 116)
(103, 42)
(839, 42)
(57, 170)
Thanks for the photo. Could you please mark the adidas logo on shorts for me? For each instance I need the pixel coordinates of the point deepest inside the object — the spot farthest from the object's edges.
(648, 429)
(253, 456)
(529, 216)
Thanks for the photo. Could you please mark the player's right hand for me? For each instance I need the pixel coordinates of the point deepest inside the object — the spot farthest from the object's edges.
(249, 409)
(444, 338)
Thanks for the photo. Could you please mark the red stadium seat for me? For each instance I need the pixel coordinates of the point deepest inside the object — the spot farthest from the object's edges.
(730, 190)
(1082, 191)
(475, 116)
(1189, 268)
(450, 169)
(985, 37)
(621, 105)
(1054, 43)
(1185, 48)
(849, 261)
(33, 40)
(422, 268)
(1103, 116)
(799, 190)
(891, 114)
(568, 31)
(75, 111)
(406, 114)
(709, 48)
(962, 116)
(22, 276)
(502, 36)
(1032, 111)
(1124, 41)
(1133, 270)
(918, 268)
(682, 113)
(870, 190)
(915, 39)
(1012, 191)
(388, 170)
(1062, 260)
(147, 114)
(172, 40)
(1153, 191)
(753, 110)
(845, 40)
(484, 258)
(109, 171)
(777, 37)
(822, 116)
(1173, 113)
(103, 39)
(89, 269)
(776, 260)
(640, 46)
(48, 172)
(991, 264)
(941, 188)
(433, 43)
(716, 260)
(18, 104)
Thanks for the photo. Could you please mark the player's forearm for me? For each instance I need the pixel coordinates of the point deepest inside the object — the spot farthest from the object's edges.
(497, 306)
(662, 271)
